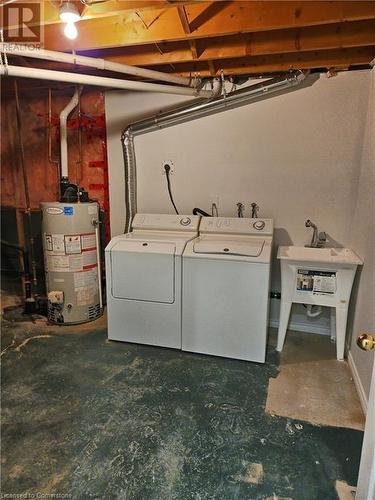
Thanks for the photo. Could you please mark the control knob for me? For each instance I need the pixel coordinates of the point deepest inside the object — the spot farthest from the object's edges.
(185, 221)
(259, 225)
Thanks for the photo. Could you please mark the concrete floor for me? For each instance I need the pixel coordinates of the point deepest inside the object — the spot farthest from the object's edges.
(96, 419)
(312, 385)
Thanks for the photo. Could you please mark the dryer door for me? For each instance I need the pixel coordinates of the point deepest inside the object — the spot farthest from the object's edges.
(143, 270)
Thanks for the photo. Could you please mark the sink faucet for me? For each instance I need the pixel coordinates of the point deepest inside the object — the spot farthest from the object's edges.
(318, 239)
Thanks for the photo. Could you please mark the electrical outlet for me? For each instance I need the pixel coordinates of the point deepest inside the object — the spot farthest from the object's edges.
(170, 163)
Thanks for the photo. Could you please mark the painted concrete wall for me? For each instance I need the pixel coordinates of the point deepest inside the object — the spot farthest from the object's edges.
(362, 240)
(296, 155)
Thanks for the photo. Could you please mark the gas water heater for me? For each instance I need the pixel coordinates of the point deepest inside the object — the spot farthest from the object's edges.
(71, 246)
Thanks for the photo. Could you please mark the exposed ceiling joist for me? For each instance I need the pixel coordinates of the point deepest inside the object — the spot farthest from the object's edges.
(109, 8)
(339, 59)
(334, 36)
(207, 20)
(185, 37)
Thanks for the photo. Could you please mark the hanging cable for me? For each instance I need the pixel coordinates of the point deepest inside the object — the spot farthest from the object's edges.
(167, 169)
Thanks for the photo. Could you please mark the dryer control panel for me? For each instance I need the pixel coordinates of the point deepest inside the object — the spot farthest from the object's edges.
(165, 222)
(236, 225)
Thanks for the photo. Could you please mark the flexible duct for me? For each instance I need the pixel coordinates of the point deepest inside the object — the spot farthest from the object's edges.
(97, 63)
(73, 103)
(100, 81)
(192, 111)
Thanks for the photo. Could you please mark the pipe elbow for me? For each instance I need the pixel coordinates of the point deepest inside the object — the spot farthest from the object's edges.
(311, 313)
(71, 105)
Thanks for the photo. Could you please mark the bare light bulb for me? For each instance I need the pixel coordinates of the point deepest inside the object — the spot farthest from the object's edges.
(70, 31)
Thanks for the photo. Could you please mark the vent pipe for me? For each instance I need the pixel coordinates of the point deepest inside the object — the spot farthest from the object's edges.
(97, 63)
(100, 81)
(192, 111)
(73, 103)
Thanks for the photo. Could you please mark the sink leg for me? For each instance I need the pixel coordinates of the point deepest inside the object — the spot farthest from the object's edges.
(341, 319)
(285, 308)
(333, 324)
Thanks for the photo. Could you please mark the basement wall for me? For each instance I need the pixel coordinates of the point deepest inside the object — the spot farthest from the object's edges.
(42, 174)
(296, 155)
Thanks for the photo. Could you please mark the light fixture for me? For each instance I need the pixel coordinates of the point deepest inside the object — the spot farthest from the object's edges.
(69, 14)
(70, 31)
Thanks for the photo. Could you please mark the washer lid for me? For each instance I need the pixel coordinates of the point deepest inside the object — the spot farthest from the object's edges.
(143, 270)
(252, 248)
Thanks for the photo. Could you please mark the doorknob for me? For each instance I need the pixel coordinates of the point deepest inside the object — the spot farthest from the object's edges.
(366, 342)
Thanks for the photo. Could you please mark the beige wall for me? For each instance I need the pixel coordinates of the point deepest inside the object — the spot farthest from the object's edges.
(362, 240)
(296, 155)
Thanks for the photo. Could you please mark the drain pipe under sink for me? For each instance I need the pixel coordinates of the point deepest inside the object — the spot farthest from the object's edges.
(311, 313)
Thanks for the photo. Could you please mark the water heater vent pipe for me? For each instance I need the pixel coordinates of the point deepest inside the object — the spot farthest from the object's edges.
(73, 103)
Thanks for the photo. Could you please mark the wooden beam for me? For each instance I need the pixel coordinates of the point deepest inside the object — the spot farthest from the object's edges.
(186, 27)
(233, 18)
(109, 8)
(340, 59)
(333, 36)
(183, 19)
(211, 68)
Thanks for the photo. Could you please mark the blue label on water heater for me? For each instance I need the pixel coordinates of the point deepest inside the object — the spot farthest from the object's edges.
(68, 210)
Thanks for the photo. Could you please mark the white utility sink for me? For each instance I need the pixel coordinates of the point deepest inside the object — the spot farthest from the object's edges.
(321, 277)
(328, 255)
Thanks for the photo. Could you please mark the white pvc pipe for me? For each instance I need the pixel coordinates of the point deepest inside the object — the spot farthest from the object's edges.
(100, 81)
(93, 62)
(63, 132)
(311, 313)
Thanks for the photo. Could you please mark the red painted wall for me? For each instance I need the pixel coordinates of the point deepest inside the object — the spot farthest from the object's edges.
(42, 174)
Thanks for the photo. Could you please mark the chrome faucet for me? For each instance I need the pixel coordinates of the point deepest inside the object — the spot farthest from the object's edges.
(318, 239)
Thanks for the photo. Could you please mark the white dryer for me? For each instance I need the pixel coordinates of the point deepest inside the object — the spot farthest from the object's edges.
(225, 297)
(144, 271)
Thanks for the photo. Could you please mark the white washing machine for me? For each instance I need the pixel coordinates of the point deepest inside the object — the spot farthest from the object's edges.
(225, 297)
(144, 271)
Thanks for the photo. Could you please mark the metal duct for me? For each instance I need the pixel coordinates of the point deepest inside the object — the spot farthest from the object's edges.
(199, 109)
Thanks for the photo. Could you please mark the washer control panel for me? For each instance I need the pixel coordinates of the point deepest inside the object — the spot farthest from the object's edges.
(236, 225)
(259, 225)
(163, 222)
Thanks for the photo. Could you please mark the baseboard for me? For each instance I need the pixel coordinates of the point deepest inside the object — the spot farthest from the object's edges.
(300, 326)
(357, 383)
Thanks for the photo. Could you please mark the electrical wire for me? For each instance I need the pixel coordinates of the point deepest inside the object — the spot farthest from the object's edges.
(167, 169)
